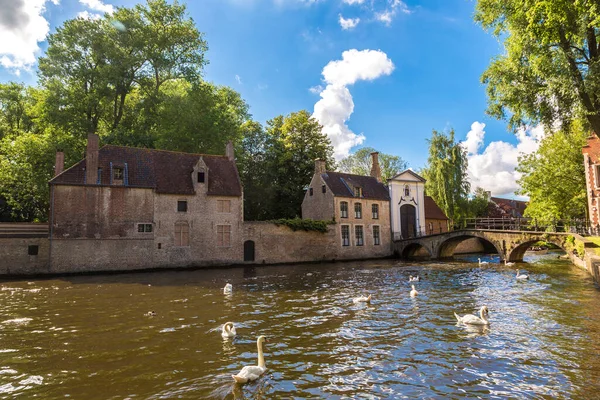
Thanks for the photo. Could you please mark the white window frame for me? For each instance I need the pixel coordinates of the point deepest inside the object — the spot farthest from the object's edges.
(342, 235)
(363, 235)
(373, 234)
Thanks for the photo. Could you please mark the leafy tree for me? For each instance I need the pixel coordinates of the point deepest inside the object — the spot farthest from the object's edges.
(479, 203)
(554, 177)
(15, 105)
(446, 175)
(550, 70)
(360, 163)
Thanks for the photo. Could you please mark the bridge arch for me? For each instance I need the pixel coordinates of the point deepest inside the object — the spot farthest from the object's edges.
(517, 253)
(446, 248)
(415, 251)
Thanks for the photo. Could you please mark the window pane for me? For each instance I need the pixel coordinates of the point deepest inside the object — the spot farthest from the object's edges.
(376, 239)
(358, 210)
(200, 177)
(140, 227)
(359, 235)
(182, 206)
(345, 235)
(148, 227)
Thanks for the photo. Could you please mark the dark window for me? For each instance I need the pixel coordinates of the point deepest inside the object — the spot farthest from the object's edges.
(358, 191)
(345, 235)
(375, 209)
(310, 191)
(144, 228)
(324, 189)
(33, 250)
(344, 209)
(358, 230)
(160, 246)
(118, 173)
(376, 239)
(406, 190)
(358, 210)
(99, 181)
(182, 206)
(200, 177)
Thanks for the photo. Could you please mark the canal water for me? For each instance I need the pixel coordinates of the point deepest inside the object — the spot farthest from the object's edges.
(87, 337)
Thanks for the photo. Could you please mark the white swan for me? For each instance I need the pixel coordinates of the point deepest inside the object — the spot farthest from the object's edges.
(228, 289)
(508, 264)
(482, 262)
(474, 320)
(150, 314)
(252, 372)
(414, 278)
(362, 299)
(413, 292)
(228, 330)
(522, 276)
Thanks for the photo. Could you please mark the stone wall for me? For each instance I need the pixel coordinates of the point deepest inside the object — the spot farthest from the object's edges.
(319, 206)
(16, 260)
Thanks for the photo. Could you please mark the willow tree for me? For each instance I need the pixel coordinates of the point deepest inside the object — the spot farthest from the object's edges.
(446, 175)
(550, 70)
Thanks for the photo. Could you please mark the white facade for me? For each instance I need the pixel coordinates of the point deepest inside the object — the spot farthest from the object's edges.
(407, 189)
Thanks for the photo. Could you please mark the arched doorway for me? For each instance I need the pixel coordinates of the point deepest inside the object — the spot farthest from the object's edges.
(249, 250)
(408, 221)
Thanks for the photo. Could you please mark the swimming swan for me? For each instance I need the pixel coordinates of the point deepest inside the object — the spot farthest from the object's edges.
(362, 299)
(228, 330)
(508, 264)
(523, 276)
(252, 372)
(482, 262)
(414, 278)
(413, 292)
(228, 289)
(473, 320)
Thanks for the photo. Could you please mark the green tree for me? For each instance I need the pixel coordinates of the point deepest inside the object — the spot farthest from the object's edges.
(446, 175)
(554, 177)
(550, 70)
(360, 162)
(479, 203)
(15, 109)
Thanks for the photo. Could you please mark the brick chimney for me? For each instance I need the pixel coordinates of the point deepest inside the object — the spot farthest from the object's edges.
(320, 166)
(91, 160)
(59, 163)
(229, 151)
(375, 169)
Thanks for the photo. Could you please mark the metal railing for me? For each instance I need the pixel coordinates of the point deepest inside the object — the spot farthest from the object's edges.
(579, 226)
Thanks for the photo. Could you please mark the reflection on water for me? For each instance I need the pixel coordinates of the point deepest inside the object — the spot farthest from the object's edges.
(89, 337)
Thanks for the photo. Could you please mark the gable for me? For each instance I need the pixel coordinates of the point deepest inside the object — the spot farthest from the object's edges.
(407, 176)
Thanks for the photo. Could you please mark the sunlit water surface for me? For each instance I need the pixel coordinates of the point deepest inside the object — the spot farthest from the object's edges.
(87, 337)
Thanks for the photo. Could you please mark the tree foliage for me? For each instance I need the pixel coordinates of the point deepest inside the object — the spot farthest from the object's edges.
(360, 162)
(550, 71)
(446, 175)
(554, 177)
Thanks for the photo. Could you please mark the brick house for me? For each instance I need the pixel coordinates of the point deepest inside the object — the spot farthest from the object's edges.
(591, 161)
(436, 220)
(130, 208)
(358, 204)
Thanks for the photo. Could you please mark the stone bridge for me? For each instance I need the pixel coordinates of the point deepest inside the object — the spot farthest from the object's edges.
(510, 245)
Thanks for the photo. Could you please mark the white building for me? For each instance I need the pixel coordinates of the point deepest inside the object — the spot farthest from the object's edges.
(407, 205)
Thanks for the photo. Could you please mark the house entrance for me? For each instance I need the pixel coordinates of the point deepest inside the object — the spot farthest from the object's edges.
(249, 250)
(408, 221)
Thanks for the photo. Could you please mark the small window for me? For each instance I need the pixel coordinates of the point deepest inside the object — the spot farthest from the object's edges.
(223, 206)
(324, 189)
(431, 228)
(117, 173)
(358, 210)
(144, 228)
(375, 210)
(160, 246)
(99, 181)
(33, 250)
(345, 235)
(358, 191)
(358, 230)
(310, 191)
(182, 205)
(406, 190)
(200, 177)
(182, 234)
(223, 235)
(376, 237)
(344, 209)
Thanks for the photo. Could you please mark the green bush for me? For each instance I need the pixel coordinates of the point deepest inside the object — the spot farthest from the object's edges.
(299, 224)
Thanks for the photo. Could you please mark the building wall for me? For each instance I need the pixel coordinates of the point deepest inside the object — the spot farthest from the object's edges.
(591, 162)
(434, 226)
(367, 221)
(416, 198)
(15, 258)
(319, 206)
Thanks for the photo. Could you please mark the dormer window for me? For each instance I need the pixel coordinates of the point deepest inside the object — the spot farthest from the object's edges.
(357, 191)
(201, 176)
(406, 190)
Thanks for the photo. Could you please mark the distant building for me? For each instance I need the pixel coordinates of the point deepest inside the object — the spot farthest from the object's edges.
(360, 205)
(591, 161)
(435, 219)
(508, 207)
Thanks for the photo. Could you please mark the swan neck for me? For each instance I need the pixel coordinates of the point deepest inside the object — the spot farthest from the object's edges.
(482, 315)
(261, 357)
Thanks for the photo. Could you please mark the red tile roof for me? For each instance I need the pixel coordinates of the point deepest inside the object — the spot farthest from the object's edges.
(432, 210)
(342, 185)
(167, 172)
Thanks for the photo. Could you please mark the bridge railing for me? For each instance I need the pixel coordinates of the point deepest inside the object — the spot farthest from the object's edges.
(579, 226)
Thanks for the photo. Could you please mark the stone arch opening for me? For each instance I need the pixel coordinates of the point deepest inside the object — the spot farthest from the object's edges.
(415, 251)
(448, 247)
(516, 255)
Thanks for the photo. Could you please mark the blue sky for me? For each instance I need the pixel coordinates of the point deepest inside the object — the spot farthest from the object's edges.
(407, 67)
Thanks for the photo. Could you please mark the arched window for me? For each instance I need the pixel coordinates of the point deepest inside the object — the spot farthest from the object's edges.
(406, 190)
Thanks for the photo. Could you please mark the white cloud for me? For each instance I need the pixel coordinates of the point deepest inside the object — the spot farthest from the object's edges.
(316, 89)
(494, 169)
(98, 5)
(22, 27)
(354, 1)
(88, 15)
(394, 7)
(238, 79)
(349, 23)
(336, 104)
